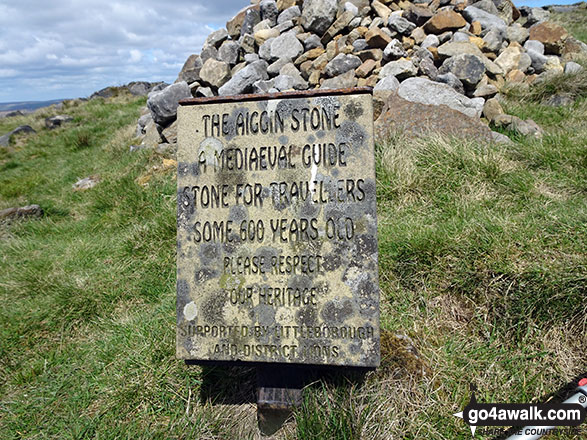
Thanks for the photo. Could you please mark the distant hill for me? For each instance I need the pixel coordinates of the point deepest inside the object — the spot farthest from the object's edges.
(26, 105)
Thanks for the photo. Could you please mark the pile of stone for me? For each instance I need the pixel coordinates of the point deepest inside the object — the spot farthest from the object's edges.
(454, 53)
(135, 88)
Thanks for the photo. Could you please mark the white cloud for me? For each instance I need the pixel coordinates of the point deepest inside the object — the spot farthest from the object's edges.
(70, 48)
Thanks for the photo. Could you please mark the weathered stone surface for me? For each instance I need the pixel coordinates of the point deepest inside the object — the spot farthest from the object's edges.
(380, 9)
(163, 104)
(21, 212)
(269, 11)
(286, 46)
(5, 139)
(469, 69)
(339, 24)
(265, 34)
(509, 58)
(55, 121)
(401, 69)
(142, 124)
(492, 109)
(418, 15)
(537, 15)
(534, 45)
(252, 17)
(208, 52)
(444, 20)
(318, 15)
(216, 38)
(228, 52)
(342, 81)
(190, 71)
(244, 79)
(487, 20)
(247, 43)
(551, 35)
(571, 68)
(400, 24)
(430, 41)
(394, 50)
(336, 307)
(235, 24)
(417, 119)
(312, 42)
(494, 39)
(299, 83)
(215, 73)
(366, 68)
(342, 63)
(289, 14)
(451, 80)
(485, 91)
(516, 32)
(428, 92)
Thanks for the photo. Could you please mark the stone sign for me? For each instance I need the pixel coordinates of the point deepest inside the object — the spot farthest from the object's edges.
(277, 229)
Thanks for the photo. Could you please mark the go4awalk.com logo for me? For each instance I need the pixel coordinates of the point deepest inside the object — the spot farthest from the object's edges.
(570, 413)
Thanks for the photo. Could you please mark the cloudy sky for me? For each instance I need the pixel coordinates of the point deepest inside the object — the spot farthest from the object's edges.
(71, 48)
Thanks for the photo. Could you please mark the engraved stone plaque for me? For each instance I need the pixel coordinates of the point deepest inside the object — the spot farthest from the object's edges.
(277, 229)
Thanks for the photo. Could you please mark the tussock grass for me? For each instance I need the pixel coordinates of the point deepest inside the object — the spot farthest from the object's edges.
(482, 273)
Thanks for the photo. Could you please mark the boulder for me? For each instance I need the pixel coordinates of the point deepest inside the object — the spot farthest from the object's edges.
(469, 69)
(451, 80)
(56, 121)
(269, 11)
(516, 32)
(252, 17)
(21, 212)
(487, 20)
(444, 20)
(289, 14)
(428, 92)
(342, 81)
(418, 15)
(509, 59)
(401, 69)
(551, 35)
(571, 68)
(400, 24)
(342, 63)
(394, 50)
(215, 73)
(286, 46)
(377, 38)
(163, 104)
(318, 15)
(229, 52)
(190, 72)
(5, 139)
(243, 80)
(537, 15)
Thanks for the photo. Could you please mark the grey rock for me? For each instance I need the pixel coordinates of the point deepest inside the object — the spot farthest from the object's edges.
(56, 121)
(355, 23)
(5, 139)
(142, 123)
(430, 41)
(487, 20)
(299, 83)
(444, 37)
(559, 100)
(251, 58)
(286, 46)
(537, 15)
(204, 92)
(208, 52)
(342, 63)
(163, 104)
(525, 62)
(343, 81)
(572, 67)
(394, 50)
(400, 69)
(216, 38)
(312, 42)
(190, 71)
(22, 212)
(537, 59)
(516, 32)
(388, 83)
(318, 15)
(487, 6)
(284, 82)
(141, 88)
(485, 91)
(534, 45)
(494, 39)
(526, 128)
(428, 92)
(285, 26)
(275, 67)
(263, 86)
(451, 80)
(157, 88)
(265, 49)
(460, 36)
(467, 68)
(418, 15)
(500, 138)
(215, 73)
(228, 52)
(400, 24)
(247, 43)
(289, 14)
(252, 18)
(269, 11)
(427, 68)
(244, 79)
(348, 6)
(360, 44)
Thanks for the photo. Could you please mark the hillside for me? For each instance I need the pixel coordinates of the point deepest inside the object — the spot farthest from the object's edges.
(482, 270)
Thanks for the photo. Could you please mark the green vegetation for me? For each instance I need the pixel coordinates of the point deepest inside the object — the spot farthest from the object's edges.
(575, 22)
(482, 259)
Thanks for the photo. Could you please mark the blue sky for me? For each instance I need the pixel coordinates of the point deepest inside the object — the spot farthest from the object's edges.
(71, 48)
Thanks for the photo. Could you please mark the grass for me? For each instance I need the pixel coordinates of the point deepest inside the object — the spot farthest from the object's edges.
(575, 22)
(482, 270)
